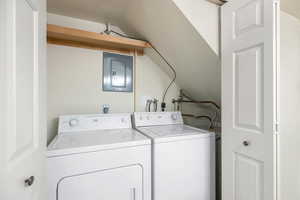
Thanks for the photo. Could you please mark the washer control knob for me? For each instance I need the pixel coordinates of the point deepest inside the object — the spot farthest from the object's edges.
(73, 122)
(246, 143)
(174, 116)
(29, 181)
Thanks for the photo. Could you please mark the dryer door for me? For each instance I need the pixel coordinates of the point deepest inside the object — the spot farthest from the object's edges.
(113, 184)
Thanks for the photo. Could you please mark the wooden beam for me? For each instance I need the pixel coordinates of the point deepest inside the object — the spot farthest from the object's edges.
(217, 2)
(84, 39)
(139, 52)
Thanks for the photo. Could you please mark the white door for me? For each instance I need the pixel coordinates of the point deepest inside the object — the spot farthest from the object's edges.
(249, 93)
(22, 99)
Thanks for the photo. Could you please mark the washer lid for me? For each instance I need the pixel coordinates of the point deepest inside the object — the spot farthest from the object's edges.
(173, 132)
(86, 141)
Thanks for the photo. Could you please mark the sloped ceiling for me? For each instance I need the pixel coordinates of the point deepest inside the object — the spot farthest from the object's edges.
(169, 28)
(291, 6)
(102, 11)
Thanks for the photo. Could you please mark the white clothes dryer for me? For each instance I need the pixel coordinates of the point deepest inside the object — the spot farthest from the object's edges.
(99, 157)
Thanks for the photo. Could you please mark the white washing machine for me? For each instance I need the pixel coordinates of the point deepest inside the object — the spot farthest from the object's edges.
(97, 157)
(183, 157)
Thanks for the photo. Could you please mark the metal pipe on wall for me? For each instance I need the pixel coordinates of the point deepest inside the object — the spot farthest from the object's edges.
(196, 102)
(199, 117)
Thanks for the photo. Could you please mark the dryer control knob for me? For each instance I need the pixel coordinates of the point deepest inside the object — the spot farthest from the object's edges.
(174, 117)
(73, 122)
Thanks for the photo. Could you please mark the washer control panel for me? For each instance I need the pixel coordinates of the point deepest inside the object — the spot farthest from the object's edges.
(75, 123)
(157, 118)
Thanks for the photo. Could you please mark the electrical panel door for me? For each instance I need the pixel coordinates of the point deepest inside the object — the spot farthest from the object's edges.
(117, 72)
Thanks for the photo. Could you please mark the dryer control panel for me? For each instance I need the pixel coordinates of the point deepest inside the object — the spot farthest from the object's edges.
(76, 123)
(157, 118)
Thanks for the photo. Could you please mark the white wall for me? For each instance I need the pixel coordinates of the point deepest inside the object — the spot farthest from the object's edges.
(173, 34)
(291, 7)
(185, 32)
(151, 81)
(75, 78)
(289, 108)
(204, 16)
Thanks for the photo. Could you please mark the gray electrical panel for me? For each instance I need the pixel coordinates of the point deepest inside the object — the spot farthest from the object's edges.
(117, 72)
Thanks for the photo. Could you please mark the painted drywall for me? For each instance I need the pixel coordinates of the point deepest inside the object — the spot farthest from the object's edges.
(185, 31)
(151, 81)
(291, 7)
(289, 137)
(75, 78)
(166, 27)
(204, 16)
(78, 23)
(100, 11)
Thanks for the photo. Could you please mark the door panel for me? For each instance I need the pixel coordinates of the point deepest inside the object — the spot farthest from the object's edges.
(249, 106)
(120, 183)
(23, 114)
(248, 178)
(248, 91)
(24, 74)
(248, 17)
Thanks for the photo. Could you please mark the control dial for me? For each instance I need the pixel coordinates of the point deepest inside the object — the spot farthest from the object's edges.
(174, 116)
(73, 122)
